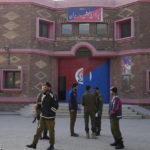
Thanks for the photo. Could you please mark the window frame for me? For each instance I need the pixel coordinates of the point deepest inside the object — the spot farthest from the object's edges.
(66, 34)
(79, 29)
(148, 81)
(13, 90)
(51, 30)
(97, 30)
(117, 30)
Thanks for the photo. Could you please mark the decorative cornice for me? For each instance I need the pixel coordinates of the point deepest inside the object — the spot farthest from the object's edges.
(72, 53)
(59, 5)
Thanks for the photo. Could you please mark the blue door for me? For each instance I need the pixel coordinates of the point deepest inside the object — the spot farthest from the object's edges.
(86, 71)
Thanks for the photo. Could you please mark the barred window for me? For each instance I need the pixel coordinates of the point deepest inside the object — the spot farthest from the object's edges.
(84, 28)
(12, 79)
(66, 29)
(102, 29)
(44, 30)
(125, 29)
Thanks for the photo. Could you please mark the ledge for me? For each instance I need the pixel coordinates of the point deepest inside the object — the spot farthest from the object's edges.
(17, 100)
(136, 101)
(122, 40)
(46, 40)
(11, 90)
(71, 53)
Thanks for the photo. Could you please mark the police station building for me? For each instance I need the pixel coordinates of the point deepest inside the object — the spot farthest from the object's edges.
(92, 42)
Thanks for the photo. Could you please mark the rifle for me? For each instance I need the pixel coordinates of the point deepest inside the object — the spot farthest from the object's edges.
(37, 115)
(34, 120)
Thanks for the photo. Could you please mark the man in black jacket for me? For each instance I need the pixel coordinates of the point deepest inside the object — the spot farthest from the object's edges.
(73, 106)
(38, 111)
(115, 114)
(48, 106)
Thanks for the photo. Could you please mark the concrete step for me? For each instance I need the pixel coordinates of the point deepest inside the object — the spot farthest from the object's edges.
(104, 106)
(127, 112)
(8, 113)
(104, 112)
(106, 116)
(28, 111)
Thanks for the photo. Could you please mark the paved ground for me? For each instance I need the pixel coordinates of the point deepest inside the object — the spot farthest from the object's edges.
(17, 131)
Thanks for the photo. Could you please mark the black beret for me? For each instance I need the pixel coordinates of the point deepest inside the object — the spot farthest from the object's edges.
(74, 85)
(114, 89)
(88, 87)
(96, 88)
(48, 84)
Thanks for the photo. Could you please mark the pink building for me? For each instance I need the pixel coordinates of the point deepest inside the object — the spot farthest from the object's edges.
(99, 42)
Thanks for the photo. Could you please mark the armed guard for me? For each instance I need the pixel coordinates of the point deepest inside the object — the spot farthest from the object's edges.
(48, 105)
(38, 111)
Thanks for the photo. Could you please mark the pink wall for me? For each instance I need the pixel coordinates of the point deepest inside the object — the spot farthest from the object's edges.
(72, 53)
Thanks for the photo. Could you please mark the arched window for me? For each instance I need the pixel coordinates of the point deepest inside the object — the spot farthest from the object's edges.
(83, 52)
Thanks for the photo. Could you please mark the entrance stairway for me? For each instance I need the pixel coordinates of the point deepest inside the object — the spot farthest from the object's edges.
(127, 111)
(62, 112)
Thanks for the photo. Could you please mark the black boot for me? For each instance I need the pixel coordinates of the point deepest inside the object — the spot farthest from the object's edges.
(74, 135)
(51, 147)
(31, 146)
(115, 143)
(98, 133)
(45, 135)
(120, 144)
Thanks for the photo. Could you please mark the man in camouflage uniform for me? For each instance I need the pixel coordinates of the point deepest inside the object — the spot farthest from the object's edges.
(99, 110)
(89, 103)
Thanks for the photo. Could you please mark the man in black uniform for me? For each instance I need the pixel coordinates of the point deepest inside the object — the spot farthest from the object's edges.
(48, 106)
(73, 106)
